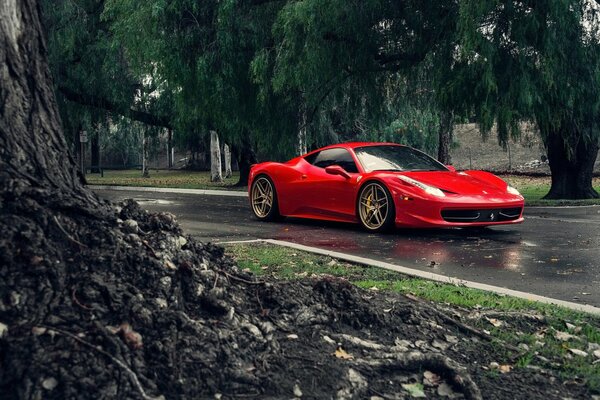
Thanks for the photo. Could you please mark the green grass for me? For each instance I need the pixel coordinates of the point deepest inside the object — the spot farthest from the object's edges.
(535, 188)
(163, 179)
(289, 264)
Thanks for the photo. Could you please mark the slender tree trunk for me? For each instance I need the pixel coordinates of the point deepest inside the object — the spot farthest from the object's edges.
(245, 157)
(445, 137)
(571, 176)
(227, 157)
(216, 174)
(170, 148)
(145, 170)
(95, 156)
(302, 130)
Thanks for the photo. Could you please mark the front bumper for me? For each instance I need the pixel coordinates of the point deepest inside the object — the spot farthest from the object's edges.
(457, 211)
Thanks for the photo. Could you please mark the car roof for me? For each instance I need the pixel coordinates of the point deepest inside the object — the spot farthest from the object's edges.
(353, 145)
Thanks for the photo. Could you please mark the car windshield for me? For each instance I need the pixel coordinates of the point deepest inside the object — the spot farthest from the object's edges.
(395, 158)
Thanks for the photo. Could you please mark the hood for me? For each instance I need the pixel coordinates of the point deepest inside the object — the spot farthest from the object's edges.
(456, 182)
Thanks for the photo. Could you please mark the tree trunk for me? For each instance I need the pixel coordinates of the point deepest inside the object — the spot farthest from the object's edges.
(95, 156)
(302, 130)
(245, 157)
(445, 137)
(216, 174)
(34, 156)
(227, 156)
(571, 176)
(145, 171)
(170, 148)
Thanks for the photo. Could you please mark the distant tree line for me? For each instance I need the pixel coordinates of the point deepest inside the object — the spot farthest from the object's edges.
(277, 77)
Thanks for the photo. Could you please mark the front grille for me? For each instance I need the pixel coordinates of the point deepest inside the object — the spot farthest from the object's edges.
(487, 215)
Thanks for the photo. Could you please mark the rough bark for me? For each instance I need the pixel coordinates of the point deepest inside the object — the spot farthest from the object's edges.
(245, 157)
(445, 137)
(145, 170)
(571, 175)
(227, 157)
(34, 157)
(216, 174)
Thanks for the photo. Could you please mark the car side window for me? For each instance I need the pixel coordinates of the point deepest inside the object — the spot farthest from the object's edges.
(325, 158)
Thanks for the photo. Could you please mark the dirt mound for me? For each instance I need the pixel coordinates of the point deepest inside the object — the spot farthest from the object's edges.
(126, 306)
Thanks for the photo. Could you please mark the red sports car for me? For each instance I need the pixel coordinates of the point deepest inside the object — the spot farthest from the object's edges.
(381, 185)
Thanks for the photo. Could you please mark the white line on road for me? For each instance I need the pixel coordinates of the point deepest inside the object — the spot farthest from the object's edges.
(171, 190)
(427, 275)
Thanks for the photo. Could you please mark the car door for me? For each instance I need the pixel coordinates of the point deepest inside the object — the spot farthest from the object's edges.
(332, 196)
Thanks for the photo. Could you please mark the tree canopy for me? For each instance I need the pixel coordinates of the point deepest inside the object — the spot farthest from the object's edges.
(263, 73)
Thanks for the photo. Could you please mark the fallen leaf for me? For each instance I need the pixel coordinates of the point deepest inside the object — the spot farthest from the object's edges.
(414, 389)
(292, 336)
(496, 322)
(563, 336)
(341, 353)
(431, 379)
(505, 369)
(578, 352)
(170, 265)
(597, 353)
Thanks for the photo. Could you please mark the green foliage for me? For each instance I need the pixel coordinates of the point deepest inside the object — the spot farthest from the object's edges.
(534, 60)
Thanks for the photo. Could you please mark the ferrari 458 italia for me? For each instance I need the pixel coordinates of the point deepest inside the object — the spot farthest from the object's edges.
(381, 185)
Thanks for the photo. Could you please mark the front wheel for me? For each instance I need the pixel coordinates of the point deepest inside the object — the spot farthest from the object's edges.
(263, 199)
(376, 211)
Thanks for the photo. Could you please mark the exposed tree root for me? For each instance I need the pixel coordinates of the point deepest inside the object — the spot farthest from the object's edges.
(417, 361)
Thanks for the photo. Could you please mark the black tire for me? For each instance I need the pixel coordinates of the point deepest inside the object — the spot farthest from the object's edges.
(263, 199)
(375, 208)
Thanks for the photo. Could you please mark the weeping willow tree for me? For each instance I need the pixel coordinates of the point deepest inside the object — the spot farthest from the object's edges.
(203, 52)
(363, 68)
(501, 61)
(93, 80)
(538, 61)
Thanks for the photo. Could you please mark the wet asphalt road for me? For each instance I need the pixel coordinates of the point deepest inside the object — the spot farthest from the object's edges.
(554, 253)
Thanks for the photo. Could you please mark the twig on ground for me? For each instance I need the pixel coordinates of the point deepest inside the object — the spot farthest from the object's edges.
(145, 242)
(67, 233)
(76, 301)
(235, 278)
(134, 379)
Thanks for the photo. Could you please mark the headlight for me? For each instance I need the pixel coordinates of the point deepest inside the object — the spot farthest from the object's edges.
(426, 188)
(512, 190)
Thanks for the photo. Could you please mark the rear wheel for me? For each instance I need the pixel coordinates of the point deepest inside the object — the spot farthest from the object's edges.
(263, 199)
(376, 211)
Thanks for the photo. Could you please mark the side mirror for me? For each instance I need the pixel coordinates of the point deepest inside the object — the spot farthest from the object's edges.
(451, 168)
(336, 170)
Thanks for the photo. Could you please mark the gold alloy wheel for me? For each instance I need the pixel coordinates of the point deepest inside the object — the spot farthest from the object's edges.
(373, 206)
(262, 197)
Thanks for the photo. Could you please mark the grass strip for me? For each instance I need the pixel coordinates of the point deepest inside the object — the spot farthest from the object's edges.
(163, 179)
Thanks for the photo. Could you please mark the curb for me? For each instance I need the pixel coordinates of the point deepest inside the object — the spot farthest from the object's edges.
(428, 275)
(171, 190)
